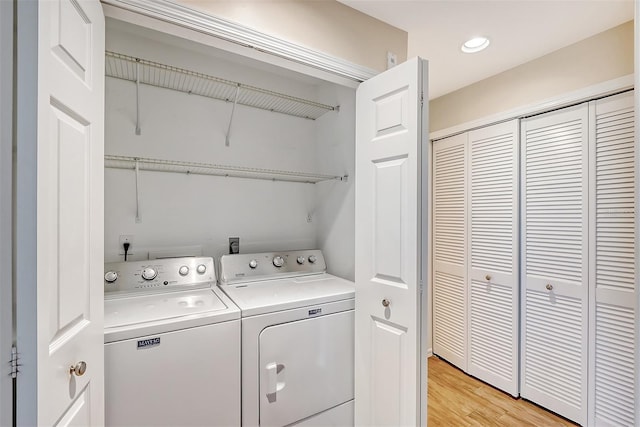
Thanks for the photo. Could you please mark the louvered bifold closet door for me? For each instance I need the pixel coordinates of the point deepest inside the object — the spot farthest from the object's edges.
(612, 258)
(493, 256)
(450, 248)
(555, 261)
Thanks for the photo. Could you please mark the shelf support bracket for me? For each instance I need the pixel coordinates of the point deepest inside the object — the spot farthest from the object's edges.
(138, 217)
(138, 96)
(233, 109)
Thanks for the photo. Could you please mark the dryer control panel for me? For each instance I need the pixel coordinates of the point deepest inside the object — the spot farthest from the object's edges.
(239, 268)
(169, 274)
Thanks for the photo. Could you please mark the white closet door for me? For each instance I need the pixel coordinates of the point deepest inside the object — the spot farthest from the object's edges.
(493, 262)
(555, 263)
(612, 258)
(450, 248)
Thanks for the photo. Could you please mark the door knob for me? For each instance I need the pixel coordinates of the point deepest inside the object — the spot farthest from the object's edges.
(487, 277)
(549, 286)
(78, 369)
(386, 303)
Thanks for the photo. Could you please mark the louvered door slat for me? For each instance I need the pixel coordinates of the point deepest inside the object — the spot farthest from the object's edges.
(612, 260)
(554, 253)
(493, 211)
(449, 247)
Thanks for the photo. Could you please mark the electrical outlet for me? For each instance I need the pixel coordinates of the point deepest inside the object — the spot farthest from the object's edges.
(392, 60)
(125, 238)
(234, 245)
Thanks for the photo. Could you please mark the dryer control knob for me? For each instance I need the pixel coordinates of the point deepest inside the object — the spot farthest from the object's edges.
(111, 276)
(201, 269)
(253, 263)
(184, 270)
(312, 259)
(300, 260)
(278, 261)
(149, 273)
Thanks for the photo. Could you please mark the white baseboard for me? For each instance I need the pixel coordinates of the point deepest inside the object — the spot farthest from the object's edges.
(429, 352)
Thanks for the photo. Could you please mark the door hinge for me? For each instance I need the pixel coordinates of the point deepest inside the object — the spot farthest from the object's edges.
(421, 99)
(15, 362)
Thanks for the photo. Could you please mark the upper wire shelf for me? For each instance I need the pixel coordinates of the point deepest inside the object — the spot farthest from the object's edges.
(126, 162)
(169, 77)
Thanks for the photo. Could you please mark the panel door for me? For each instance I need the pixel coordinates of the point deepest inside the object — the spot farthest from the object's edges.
(612, 261)
(390, 353)
(555, 261)
(450, 249)
(66, 303)
(493, 279)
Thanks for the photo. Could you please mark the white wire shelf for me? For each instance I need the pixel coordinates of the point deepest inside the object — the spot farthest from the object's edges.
(125, 162)
(165, 76)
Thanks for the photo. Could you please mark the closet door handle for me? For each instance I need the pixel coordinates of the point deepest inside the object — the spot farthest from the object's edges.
(549, 286)
(386, 303)
(487, 277)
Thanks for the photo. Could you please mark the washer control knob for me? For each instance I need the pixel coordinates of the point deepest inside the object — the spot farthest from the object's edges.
(149, 273)
(253, 263)
(278, 261)
(300, 260)
(312, 259)
(201, 269)
(111, 276)
(184, 270)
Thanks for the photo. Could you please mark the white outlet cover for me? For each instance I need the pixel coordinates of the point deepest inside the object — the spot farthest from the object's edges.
(392, 60)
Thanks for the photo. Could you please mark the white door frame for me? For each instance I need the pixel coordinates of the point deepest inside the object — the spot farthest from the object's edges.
(6, 206)
(636, 74)
(26, 166)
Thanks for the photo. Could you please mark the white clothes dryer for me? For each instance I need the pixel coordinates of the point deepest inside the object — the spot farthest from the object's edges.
(297, 338)
(172, 345)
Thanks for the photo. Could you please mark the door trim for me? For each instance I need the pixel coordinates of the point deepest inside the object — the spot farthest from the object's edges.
(6, 207)
(239, 34)
(609, 87)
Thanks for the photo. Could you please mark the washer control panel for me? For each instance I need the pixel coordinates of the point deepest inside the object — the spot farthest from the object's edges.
(169, 274)
(240, 268)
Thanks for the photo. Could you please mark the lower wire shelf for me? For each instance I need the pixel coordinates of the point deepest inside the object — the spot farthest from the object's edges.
(159, 165)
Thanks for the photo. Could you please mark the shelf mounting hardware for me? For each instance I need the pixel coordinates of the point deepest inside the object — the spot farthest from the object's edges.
(138, 97)
(233, 110)
(137, 167)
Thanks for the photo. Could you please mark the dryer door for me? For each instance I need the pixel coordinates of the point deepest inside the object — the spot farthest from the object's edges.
(306, 367)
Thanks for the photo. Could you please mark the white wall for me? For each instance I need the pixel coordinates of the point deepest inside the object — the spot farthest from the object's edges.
(326, 26)
(335, 204)
(191, 210)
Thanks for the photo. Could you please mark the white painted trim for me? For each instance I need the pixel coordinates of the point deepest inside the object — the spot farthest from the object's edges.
(598, 90)
(25, 188)
(202, 22)
(6, 206)
(637, 203)
(429, 352)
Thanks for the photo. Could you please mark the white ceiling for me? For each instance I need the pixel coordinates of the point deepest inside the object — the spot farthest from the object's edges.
(520, 30)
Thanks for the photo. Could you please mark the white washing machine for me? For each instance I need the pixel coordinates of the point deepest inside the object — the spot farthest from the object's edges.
(172, 345)
(297, 338)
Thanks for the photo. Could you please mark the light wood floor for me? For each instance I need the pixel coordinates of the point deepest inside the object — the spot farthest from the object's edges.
(456, 399)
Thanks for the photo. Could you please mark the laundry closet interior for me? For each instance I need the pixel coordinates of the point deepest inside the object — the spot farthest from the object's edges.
(278, 175)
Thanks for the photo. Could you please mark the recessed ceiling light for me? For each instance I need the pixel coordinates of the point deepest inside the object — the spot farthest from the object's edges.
(475, 44)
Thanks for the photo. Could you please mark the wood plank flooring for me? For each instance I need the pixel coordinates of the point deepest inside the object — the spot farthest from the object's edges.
(456, 399)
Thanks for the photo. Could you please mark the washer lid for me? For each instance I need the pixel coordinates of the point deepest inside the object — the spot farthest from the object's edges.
(134, 310)
(268, 296)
